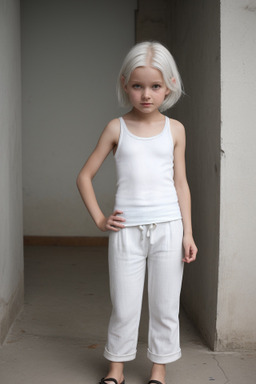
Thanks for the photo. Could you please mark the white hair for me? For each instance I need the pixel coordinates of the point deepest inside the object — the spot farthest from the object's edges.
(160, 58)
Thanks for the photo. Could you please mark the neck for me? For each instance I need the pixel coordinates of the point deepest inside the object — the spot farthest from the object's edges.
(134, 114)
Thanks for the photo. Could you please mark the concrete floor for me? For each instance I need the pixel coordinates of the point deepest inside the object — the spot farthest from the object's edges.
(59, 337)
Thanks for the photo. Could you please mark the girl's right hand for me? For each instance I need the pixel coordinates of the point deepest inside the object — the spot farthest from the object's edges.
(113, 223)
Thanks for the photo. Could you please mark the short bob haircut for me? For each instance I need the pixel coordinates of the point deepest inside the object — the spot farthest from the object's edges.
(160, 58)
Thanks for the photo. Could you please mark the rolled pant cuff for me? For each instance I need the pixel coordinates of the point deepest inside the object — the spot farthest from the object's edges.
(163, 359)
(119, 358)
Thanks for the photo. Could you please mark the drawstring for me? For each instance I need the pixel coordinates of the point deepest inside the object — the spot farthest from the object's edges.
(141, 232)
(150, 231)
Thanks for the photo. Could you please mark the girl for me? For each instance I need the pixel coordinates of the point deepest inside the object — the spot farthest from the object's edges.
(151, 221)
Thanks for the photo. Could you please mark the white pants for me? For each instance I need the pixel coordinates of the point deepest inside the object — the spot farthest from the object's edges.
(130, 249)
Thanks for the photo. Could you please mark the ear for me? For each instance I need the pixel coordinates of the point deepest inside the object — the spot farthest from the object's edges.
(168, 91)
(123, 83)
(173, 80)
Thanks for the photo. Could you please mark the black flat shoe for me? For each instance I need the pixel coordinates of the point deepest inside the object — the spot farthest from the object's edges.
(154, 382)
(104, 381)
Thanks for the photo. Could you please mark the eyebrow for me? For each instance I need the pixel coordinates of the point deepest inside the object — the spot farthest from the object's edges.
(153, 81)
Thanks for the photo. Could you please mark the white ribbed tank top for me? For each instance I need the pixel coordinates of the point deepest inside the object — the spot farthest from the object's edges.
(145, 188)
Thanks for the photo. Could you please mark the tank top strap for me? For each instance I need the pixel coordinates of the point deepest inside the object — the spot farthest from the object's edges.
(168, 131)
(123, 127)
(120, 139)
(167, 124)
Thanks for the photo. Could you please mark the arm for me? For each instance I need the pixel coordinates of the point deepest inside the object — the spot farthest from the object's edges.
(108, 140)
(183, 192)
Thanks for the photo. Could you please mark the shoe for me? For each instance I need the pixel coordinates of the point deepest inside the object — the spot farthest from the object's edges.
(154, 382)
(104, 381)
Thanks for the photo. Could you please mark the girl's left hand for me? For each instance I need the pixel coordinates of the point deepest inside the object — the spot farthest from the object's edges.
(190, 249)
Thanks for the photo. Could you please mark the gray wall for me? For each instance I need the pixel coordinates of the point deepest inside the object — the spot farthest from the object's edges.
(195, 42)
(11, 243)
(215, 48)
(191, 30)
(237, 283)
(71, 54)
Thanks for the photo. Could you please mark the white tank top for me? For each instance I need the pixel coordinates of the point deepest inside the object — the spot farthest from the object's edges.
(145, 188)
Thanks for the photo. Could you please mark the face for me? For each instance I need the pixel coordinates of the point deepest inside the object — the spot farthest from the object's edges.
(146, 89)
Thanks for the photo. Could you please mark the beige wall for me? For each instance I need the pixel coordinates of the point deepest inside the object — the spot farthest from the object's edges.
(71, 54)
(11, 244)
(237, 283)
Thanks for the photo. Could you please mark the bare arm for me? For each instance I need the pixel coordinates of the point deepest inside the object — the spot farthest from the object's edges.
(108, 140)
(182, 188)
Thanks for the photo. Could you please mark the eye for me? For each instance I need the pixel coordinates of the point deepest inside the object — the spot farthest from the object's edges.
(136, 86)
(156, 86)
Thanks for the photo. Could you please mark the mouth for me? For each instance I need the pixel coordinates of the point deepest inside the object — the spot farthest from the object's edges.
(146, 104)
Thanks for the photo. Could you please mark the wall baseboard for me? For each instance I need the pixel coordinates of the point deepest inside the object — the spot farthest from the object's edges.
(10, 310)
(66, 241)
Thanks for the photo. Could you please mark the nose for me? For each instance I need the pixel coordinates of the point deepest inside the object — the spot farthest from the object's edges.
(146, 94)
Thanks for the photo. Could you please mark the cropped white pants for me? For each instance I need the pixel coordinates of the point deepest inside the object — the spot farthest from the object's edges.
(160, 247)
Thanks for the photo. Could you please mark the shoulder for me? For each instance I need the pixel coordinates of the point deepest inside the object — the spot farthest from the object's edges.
(177, 126)
(178, 131)
(112, 130)
(113, 126)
